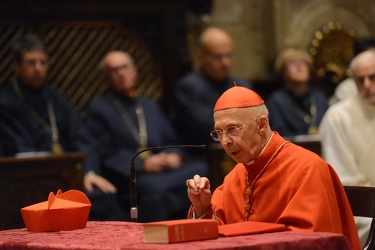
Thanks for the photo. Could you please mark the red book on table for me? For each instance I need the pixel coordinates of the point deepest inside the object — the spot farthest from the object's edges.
(250, 227)
(173, 231)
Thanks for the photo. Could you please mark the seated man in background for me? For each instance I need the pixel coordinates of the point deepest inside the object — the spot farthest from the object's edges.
(347, 132)
(35, 117)
(347, 88)
(196, 93)
(274, 180)
(297, 108)
(122, 122)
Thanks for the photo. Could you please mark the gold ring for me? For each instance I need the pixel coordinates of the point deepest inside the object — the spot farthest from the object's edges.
(187, 183)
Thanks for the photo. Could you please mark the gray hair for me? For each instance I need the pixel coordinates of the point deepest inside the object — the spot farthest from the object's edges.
(355, 60)
(260, 110)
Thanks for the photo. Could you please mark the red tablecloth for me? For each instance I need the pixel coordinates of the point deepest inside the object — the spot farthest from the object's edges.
(128, 235)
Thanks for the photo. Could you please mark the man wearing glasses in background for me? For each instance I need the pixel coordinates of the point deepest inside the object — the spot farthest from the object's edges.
(121, 123)
(297, 108)
(196, 93)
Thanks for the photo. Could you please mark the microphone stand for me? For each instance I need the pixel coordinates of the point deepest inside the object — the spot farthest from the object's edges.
(133, 179)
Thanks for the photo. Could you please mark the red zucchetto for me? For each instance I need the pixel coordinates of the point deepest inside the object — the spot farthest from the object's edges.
(238, 97)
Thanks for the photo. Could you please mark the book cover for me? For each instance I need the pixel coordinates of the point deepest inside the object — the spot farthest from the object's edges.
(250, 227)
(173, 231)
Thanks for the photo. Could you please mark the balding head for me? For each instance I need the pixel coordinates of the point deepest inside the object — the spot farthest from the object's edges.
(362, 68)
(119, 72)
(215, 53)
(112, 57)
(214, 37)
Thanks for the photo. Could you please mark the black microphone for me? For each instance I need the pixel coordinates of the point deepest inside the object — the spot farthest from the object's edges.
(133, 179)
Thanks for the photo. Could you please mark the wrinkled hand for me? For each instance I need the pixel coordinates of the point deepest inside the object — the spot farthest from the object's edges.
(91, 179)
(199, 192)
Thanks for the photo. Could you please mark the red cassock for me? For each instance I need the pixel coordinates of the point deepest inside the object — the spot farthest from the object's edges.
(294, 187)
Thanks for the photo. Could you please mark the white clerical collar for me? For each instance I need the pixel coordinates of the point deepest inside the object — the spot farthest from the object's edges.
(252, 162)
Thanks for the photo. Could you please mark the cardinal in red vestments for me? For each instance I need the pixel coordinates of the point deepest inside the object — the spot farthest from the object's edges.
(274, 180)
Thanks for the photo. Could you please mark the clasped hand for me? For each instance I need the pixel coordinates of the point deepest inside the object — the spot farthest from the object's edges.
(199, 193)
(160, 162)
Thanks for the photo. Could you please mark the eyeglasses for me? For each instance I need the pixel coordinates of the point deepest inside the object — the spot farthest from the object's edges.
(295, 62)
(119, 69)
(218, 56)
(217, 134)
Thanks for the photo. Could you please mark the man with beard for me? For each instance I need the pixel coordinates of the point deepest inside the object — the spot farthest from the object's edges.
(36, 117)
(347, 132)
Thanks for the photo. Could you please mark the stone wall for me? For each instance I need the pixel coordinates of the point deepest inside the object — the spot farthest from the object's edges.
(261, 28)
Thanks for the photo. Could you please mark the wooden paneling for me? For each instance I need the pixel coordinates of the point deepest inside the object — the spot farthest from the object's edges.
(79, 33)
(26, 181)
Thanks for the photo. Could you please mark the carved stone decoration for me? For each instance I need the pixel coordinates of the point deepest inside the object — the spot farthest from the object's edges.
(332, 50)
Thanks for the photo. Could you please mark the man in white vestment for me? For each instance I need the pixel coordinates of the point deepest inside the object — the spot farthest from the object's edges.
(348, 132)
(347, 88)
(344, 90)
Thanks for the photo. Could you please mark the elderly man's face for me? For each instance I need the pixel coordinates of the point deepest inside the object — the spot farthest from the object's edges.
(120, 72)
(364, 76)
(32, 69)
(247, 144)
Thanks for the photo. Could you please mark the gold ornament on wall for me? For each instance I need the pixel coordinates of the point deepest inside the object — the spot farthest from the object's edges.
(332, 51)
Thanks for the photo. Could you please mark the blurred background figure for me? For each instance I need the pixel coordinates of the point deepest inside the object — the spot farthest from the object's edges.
(122, 122)
(195, 94)
(35, 117)
(296, 108)
(348, 88)
(347, 132)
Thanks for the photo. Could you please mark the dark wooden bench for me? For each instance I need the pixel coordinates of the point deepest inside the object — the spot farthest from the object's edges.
(26, 181)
